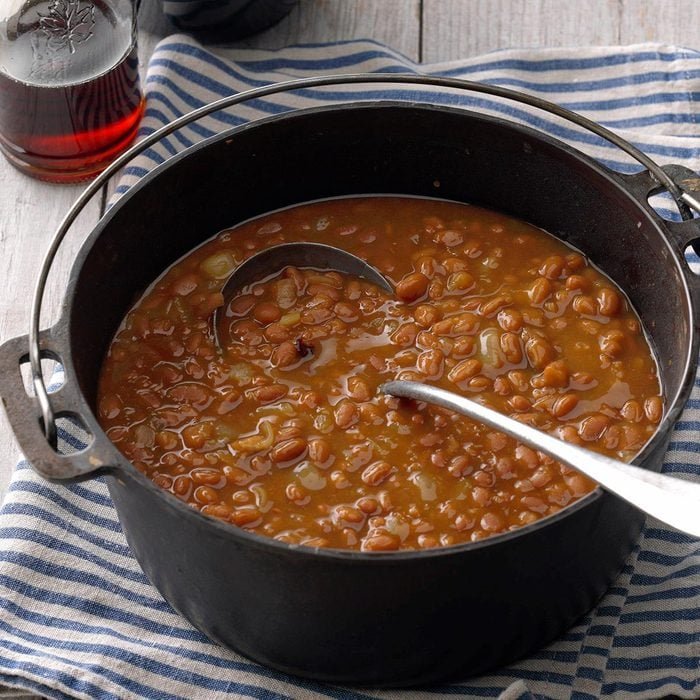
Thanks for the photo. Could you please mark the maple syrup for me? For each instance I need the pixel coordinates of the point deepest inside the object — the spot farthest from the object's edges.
(70, 97)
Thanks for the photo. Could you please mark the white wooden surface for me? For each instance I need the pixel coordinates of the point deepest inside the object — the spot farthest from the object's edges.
(423, 30)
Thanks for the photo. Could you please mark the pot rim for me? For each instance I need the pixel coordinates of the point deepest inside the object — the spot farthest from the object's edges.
(614, 178)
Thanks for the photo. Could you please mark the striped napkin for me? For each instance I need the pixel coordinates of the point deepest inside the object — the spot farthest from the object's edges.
(78, 619)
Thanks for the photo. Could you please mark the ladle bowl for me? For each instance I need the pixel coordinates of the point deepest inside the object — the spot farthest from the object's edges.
(273, 260)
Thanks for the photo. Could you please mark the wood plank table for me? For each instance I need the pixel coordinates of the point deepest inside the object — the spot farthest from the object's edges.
(423, 30)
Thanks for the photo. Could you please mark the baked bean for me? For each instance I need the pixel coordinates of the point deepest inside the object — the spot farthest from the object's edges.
(412, 287)
(449, 238)
(346, 311)
(484, 478)
(436, 289)
(218, 510)
(465, 369)
(492, 522)
(162, 480)
(609, 301)
(632, 437)
(460, 281)
(319, 450)
(539, 352)
(287, 288)
(553, 267)
(322, 289)
(578, 283)
(182, 486)
(558, 494)
(197, 435)
(426, 315)
(358, 389)
(380, 542)
(653, 409)
(482, 496)
(493, 306)
(205, 495)
(405, 334)
(632, 411)
(519, 403)
(512, 349)
(444, 327)
(427, 340)
(431, 362)
(540, 290)
(288, 450)
(541, 477)
(371, 414)
(502, 386)
(345, 415)
(285, 433)
(266, 312)
(453, 264)
(462, 347)
(593, 427)
(276, 333)
(349, 516)
(268, 393)
(297, 494)
(245, 517)
(284, 355)
(369, 506)
(612, 343)
(555, 374)
(465, 323)
(534, 504)
(578, 484)
(209, 477)
(585, 305)
(376, 473)
(564, 405)
(510, 320)
(480, 384)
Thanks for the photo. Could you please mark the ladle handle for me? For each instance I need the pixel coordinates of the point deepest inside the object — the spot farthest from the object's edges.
(673, 501)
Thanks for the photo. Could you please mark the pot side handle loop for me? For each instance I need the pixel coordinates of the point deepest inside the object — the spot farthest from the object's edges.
(687, 233)
(25, 417)
(644, 184)
(683, 234)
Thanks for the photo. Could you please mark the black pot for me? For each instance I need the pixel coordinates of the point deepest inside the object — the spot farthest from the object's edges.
(349, 617)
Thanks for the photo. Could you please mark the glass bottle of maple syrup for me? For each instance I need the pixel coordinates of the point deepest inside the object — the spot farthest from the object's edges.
(70, 97)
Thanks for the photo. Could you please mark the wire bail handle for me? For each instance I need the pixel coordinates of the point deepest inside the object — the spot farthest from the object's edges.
(684, 201)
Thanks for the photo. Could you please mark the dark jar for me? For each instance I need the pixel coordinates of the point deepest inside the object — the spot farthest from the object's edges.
(221, 21)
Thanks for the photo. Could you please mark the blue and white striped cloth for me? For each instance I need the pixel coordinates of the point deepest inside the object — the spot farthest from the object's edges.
(78, 619)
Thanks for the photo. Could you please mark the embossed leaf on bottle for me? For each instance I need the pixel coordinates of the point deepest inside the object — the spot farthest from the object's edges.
(68, 24)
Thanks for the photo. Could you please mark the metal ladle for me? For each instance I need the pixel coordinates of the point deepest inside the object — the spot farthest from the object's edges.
(675, 502)
(273, 260)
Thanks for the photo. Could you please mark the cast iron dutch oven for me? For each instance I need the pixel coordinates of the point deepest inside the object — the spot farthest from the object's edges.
(350, 617)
